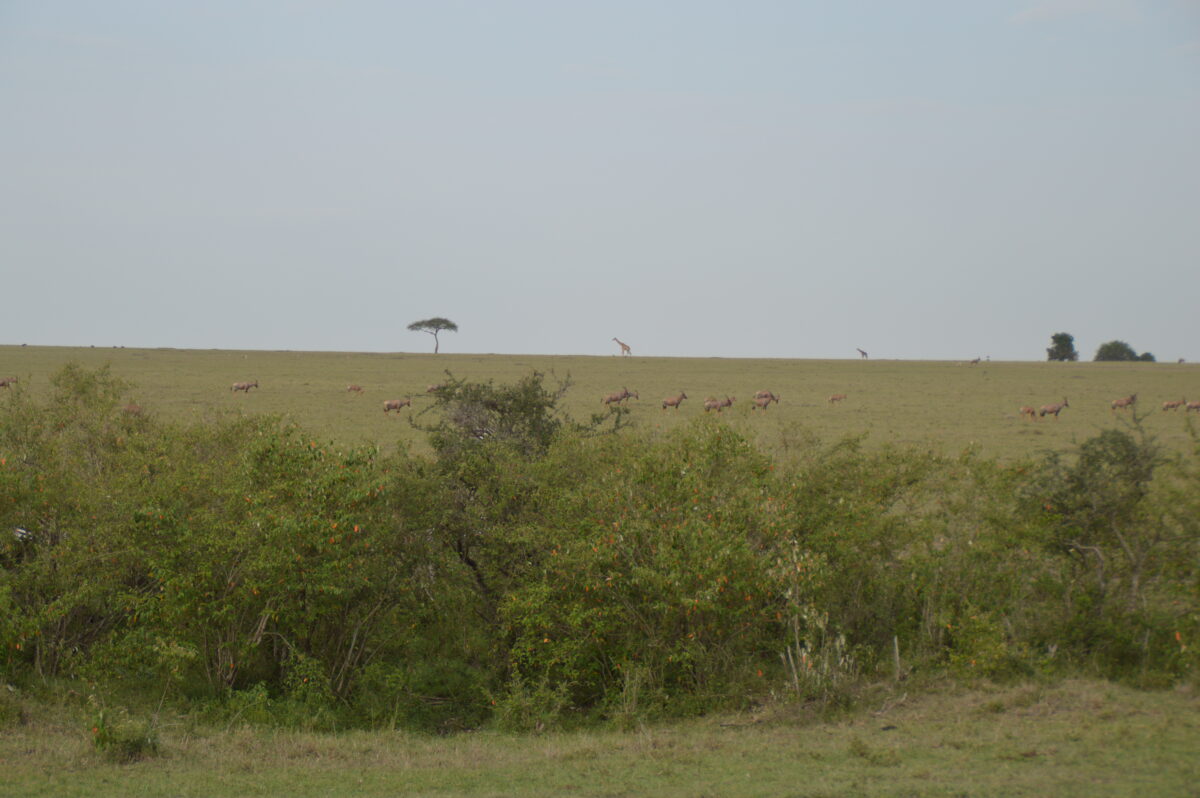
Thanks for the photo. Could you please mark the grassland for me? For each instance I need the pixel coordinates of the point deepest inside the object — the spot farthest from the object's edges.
(1077, 738)
(944, 405)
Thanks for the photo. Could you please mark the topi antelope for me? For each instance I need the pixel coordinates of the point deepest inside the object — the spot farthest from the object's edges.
(1027, 410)
(835, 398)
(674, 401)
(7, 381)
(1053, 410)
(619, 396)
(1192, 406)
(1174, 405)
(625, 350)
(355, 389)
(244, 386)
(1124, 403)
(770, 397)
(396, 404)
(712, 403)
(762, 402)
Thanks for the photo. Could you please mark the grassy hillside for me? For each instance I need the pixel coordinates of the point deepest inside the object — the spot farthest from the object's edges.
(944, 405)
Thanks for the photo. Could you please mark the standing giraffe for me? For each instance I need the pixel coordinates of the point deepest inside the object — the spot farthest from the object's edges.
(861, 352)
(625, 350)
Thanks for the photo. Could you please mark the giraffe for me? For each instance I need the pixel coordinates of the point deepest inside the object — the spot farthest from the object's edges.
(625, 350)
(861, 352)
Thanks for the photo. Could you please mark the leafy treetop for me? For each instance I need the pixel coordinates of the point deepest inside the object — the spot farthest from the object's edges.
(433, 327)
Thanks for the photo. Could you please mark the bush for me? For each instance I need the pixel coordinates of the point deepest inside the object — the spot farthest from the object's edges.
(543, 573)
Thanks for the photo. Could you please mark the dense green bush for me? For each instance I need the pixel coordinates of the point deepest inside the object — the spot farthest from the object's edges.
(535, 569)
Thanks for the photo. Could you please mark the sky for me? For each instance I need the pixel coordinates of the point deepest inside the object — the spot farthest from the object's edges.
(761, 178)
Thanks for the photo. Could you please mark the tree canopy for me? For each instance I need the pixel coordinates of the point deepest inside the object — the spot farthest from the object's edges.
(433, 327)
(1119, 350)
(1062, 347)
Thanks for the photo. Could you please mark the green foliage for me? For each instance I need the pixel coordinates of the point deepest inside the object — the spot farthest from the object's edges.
(1062, 347)
(121, 739)
(1121, 515)
(540, 573)
(1121, 351)
(433, 326)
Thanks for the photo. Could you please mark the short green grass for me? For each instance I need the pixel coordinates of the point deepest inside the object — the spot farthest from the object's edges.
(1076, 738)
(948, 406)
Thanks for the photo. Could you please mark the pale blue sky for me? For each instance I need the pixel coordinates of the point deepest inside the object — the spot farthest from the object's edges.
(778, 179)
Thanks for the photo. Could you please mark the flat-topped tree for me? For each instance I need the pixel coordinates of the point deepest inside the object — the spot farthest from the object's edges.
(433, 327)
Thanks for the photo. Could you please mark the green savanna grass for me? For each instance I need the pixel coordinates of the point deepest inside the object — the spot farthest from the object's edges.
(1075, 738)
(943, 405)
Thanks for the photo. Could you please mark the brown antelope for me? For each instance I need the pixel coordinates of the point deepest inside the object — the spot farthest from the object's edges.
(975, 362)
(625, 350)
(619, 396)
(355, 389)
(712, 403)
(7, 381)
(1053, 410)
(244, 386)
(1124, 403)
(770, 397)
(835, 398)
(1192, 406)
(674, 401)
(1174, 405)
(762, 402)
(396, 404)
(1027, 410)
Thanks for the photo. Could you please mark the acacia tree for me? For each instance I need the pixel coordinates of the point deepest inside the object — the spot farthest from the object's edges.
(1063, 347)
(433, 327)
(1119, 350)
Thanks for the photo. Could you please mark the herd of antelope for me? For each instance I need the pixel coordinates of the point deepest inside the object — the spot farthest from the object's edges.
(1124, 403)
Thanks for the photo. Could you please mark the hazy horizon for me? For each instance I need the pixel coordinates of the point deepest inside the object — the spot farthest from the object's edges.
(772, 179)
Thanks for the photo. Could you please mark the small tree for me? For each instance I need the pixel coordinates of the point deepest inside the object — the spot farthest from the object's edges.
(1063, 347)
(1116, 350)
(433, 327)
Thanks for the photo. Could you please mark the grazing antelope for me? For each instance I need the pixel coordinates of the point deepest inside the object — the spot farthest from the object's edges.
(1124, 403)
(7, 381)
(975, 362)
(620, 396)
(861, 352)
(1053, 410)
(770, 397)
(1174, 405)
(244, 386)
(1027, 410)
(674, 401)
(1192, 406)
(355, 389)
(625, 350)
(835, 398)
(396, 404)
(712, 403)
(762, 402)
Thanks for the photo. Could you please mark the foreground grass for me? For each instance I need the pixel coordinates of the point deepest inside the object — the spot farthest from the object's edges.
(942, 405)
(1076, 738)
